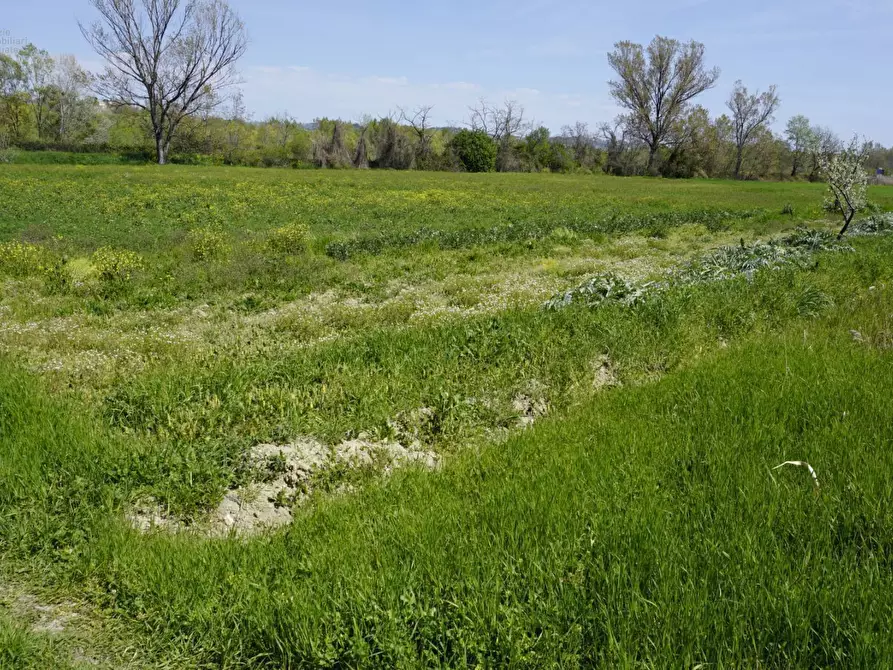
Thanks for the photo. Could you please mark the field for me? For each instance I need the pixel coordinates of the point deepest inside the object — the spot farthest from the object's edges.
(377, 419)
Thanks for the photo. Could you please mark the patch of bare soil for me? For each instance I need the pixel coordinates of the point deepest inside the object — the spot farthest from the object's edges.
(286, 474)
(604, 375)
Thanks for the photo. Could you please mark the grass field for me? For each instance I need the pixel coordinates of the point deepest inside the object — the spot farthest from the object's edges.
(495, 484)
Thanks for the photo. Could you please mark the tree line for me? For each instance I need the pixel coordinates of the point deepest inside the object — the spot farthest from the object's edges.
(167, 94)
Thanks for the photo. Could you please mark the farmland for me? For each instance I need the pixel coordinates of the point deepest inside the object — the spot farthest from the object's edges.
(485, 481)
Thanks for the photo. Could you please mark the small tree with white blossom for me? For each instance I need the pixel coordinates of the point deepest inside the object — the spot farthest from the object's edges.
(847, 181)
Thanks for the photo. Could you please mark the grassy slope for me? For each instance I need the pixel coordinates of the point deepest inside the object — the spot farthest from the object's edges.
(643, 526)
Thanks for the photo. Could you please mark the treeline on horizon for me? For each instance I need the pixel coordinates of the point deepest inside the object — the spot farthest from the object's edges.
(46, 106)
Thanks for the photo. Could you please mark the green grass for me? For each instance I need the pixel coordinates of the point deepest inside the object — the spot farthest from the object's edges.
(640, 526)
(146, 207)
(637, 525)
(21, 649)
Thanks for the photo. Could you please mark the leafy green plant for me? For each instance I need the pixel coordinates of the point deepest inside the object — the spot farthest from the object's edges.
(291, 239)
(475, 150)
(23, 259)
(601, 289)
(208, 243)
(116, 265)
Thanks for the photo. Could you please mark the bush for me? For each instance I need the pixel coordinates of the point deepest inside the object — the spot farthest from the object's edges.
(208, 243)
(116, 265)
(22, 259)
(291, 239)
(475, 150)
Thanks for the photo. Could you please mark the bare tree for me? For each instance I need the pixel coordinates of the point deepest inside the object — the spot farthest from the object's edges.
(165, 56)
(657, 84)
(419, 121)
(361, 155)
(580, 140)
(503, 124)
(750, 113)
(500, 123)
(616, 140)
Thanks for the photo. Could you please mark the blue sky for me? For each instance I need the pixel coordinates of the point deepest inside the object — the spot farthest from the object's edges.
(348, 58)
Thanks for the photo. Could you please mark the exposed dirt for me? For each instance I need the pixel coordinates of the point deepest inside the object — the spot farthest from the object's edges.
(284, 475)
(604, 375)
(529, 409)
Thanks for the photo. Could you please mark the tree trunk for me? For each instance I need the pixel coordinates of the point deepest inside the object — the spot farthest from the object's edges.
(652, 151)
(739, 159)
(846, 225)
(161, 150)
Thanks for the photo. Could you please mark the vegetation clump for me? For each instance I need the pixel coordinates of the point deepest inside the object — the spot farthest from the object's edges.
(116, 265)
(475, 150)
(209, 243)
(291, 239)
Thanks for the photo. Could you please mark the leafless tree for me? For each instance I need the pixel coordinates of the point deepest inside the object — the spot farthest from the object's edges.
(165, 56)
(656, 84)
(750, 113)
(361, 155)
(503, 124)
(500, 123)
(615, 137)
(580, 140)
(419, 121)
(393, 148)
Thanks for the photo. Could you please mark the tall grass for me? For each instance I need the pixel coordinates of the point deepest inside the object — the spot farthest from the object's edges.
(644, 527)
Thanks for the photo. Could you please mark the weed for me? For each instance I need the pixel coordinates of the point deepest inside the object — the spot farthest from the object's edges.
(207, 244)
(290, 239)
(116, 266)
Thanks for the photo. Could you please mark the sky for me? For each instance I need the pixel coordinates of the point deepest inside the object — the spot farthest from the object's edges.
(350, 58)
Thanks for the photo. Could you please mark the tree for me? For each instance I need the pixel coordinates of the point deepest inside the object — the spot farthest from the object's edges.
(657, 89)
(847, 181)
(580, 141)
(503, 124)
(537, 149)
(823, 144)
(165, 57)
(799, 135)
(74, 112)
(393, 149)
(475, 149)
(37, 67)
(13, 103)
(616, 138)
(420, 123)
(750, 113)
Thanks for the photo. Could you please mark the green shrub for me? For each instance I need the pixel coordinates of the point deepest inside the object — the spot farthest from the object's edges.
(562, 235)
(475, 150)
(22, 259)
(291, 239)
(116, 265)
(208, 243)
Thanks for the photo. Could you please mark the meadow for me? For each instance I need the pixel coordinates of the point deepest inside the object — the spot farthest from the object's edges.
(539, 417)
